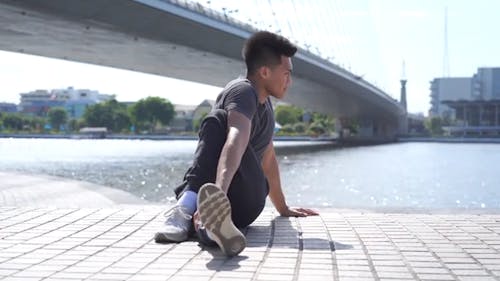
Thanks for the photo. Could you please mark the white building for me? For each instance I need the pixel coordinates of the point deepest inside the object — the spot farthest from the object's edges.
(473, 103)
(452, 88)
(75, 101)
(484, 85)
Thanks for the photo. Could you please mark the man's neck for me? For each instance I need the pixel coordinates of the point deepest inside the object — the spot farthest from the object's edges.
(261, 91)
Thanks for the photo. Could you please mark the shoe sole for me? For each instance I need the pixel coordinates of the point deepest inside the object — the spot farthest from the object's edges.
(214, 209)
(161, 237)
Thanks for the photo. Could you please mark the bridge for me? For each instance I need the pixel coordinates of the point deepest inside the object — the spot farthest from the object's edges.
(187, 41)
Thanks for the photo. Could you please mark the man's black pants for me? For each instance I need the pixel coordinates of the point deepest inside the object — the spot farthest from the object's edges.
(248, 189)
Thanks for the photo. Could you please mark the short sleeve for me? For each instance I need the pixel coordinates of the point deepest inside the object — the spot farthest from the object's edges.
(243, 99)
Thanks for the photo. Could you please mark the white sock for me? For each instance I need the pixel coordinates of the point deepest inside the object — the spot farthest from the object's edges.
(188, 201)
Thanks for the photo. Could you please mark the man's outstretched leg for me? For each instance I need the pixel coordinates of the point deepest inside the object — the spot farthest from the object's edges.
(178, 222)
(212, 136)
(214, 211)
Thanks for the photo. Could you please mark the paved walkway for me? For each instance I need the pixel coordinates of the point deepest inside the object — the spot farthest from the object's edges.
(18, 189)
(115, 243)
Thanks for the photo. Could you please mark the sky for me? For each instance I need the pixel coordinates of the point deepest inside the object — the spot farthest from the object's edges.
(371, 38)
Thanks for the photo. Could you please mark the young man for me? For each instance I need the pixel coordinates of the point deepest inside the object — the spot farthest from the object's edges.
(235, 165)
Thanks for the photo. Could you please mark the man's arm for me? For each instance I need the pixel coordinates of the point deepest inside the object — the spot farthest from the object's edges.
(272, 173)
(238, 135)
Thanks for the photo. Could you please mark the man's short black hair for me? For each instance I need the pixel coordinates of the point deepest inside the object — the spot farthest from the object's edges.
(265, 49)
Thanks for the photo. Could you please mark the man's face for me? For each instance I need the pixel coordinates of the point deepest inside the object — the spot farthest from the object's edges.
(280, 78)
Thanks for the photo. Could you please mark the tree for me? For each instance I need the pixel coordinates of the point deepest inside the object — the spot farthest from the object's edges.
(299, 127)
(57, 117)
(287, 114)
(110, 114)
(148, 112)
(316, 129)
(74, 125)
(98, 115)
(13, 122)
(434, 125)
(287, 129)
(122, 121)
(326, 121)
(37, 124)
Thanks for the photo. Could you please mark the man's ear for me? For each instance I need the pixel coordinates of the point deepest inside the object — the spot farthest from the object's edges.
(264, 72)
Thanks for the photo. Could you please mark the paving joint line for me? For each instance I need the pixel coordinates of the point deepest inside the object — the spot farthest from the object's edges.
(80, 244)
(135, 250)
(466, 253)
(160, 256)
(27, 242)
(365, 251)
(13, 209)
(32, 265)
(118, 241)
(268, 248)
(301, 249)
(396, 247)
(31, 218)
(335, 266)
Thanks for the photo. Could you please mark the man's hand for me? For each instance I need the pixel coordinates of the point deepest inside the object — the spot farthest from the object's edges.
(298, 212)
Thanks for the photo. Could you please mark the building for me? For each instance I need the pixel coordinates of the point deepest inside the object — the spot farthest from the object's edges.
(486, 84)
(203, 109)
(187, 115)
(472, 103)
(75, 101)
(8, 107)
(183, 119)
(451, 88)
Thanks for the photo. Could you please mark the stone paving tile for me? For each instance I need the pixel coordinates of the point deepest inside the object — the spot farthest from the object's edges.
(116, 244)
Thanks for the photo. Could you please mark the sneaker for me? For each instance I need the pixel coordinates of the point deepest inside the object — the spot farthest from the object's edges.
(201, 232)
(176, 227)
(214, 209)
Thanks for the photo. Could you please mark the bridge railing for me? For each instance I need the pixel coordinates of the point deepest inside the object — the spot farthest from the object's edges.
(197, 7)
(223, 17)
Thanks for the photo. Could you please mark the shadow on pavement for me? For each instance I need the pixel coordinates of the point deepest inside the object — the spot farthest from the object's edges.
(281, 234)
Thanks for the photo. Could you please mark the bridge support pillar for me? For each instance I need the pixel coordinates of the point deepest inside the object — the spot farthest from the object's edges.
(338, 128)
(403, 124)
(367, 128)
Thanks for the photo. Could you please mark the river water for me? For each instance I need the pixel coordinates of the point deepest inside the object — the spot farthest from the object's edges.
(407, 176)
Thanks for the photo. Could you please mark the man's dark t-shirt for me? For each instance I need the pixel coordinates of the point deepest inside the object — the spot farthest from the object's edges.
(240, 95)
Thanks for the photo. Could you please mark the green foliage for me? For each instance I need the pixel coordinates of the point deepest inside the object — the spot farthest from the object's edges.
(16, 122)
(316, 128)
(36, 123)
(111, 114)
(74, 125)
(434, 125)
(57, 117)
(299, 127)
(122, 121)
(290, 118)
(98, 115)
(13, 122)
(286, 114)
(288, 128)
(148, 112)
(326, 121)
